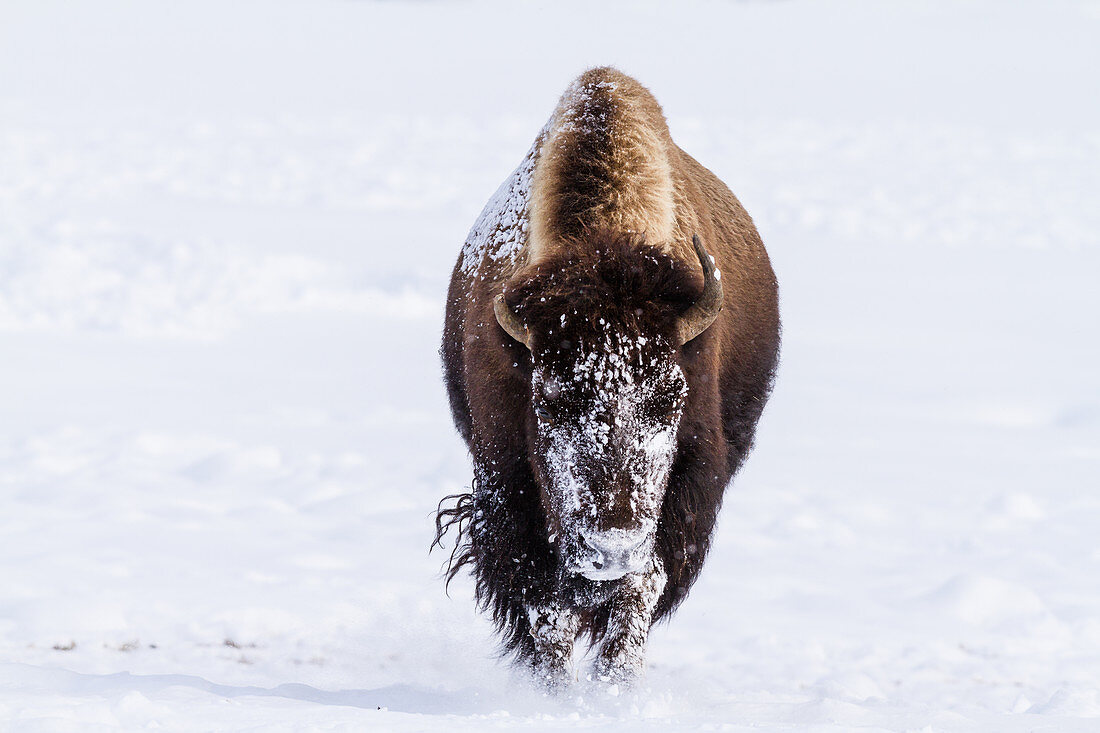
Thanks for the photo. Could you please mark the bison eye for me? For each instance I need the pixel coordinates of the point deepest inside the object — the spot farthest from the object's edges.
(543, 413)
(666, 404)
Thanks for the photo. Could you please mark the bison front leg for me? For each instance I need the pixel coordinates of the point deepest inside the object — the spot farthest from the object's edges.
(621, 658)
(553, 630)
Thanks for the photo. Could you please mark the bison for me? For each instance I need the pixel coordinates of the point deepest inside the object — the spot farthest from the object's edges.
(611, 337)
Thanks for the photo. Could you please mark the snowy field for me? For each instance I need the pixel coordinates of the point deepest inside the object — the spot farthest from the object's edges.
(225, 235)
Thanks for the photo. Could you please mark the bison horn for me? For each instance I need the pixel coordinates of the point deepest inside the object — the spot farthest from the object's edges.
(510, 322)
(704, 311)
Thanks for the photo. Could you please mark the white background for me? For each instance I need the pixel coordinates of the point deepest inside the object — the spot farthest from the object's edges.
(225, 235)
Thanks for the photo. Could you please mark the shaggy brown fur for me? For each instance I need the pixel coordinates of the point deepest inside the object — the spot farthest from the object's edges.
(606, 172)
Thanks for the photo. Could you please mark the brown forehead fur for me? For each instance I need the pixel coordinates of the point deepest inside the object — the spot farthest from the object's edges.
(608, 277)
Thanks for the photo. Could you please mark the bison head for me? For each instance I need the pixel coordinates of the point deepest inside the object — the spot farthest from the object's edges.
(605, 324)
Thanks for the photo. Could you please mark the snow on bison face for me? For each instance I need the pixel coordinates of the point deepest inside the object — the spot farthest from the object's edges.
(606, 419)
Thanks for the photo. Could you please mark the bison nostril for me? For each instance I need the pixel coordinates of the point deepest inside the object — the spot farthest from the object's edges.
(597, 554)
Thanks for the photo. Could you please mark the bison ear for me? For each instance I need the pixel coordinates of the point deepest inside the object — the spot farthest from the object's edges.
(704, 311)
(510, 322)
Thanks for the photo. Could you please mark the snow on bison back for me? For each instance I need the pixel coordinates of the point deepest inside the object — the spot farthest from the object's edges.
(611, 338)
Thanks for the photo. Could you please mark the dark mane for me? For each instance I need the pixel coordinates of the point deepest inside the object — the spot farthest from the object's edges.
(502, 538)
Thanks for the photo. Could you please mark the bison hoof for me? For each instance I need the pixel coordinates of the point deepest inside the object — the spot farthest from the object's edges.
(552, 681)
(615, 678)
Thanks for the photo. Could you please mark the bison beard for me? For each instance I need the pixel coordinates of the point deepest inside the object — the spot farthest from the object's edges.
(604, 412)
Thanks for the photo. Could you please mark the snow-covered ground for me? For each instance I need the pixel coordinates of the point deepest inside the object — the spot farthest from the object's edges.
(225, 235)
